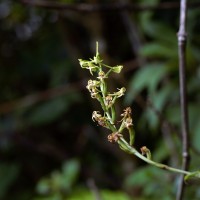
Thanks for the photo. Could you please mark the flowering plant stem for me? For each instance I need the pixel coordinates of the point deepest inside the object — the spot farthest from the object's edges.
(132, 150)
(99, 91)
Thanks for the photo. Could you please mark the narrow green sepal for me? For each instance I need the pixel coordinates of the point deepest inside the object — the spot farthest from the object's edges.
(131, 135)
(113, 113)
(104, 88)
(100, 99)
(121, 128)
(149, 155)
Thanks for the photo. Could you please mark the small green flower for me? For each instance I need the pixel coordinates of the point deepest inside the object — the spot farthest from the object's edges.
(97, 59)
(83, 63)
(93, 88)
(88, 65)
(92, 84)
(120, 93)
(117, 69)
(102, 75)
(109, 101)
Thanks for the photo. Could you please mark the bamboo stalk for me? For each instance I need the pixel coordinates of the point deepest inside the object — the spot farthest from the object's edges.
(182, 36)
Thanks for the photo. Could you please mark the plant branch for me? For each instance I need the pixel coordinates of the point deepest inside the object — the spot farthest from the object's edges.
(183, 99)
(122, 142)
(86, 7)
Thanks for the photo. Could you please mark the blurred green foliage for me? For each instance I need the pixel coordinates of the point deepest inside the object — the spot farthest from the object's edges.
(152, 189)
(49, 146)
(8, 173)
(59, 183)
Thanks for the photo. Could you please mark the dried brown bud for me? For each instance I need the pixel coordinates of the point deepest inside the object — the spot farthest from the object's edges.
(114, 137)
(127, 112)
(146, 151)
(102, 121)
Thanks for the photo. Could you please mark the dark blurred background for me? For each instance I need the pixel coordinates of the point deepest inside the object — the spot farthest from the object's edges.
(50, 149)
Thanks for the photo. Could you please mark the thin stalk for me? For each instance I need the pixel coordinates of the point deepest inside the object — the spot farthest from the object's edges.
(102, 102)
(183, 100)
(122, 142)
(129, 149)
(113, 113)
(110, 119)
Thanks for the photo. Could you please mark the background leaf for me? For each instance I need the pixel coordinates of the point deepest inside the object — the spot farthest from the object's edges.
(148, 77)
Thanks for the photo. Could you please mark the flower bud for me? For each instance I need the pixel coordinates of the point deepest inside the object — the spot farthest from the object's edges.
(114, 137)
(128, 122)
(127, 112)
(146, 151)
(101, 75)
(92, 85)
(96, 115)
(117, 69)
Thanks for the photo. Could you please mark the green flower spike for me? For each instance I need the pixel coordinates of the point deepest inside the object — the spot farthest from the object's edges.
(98, 90)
